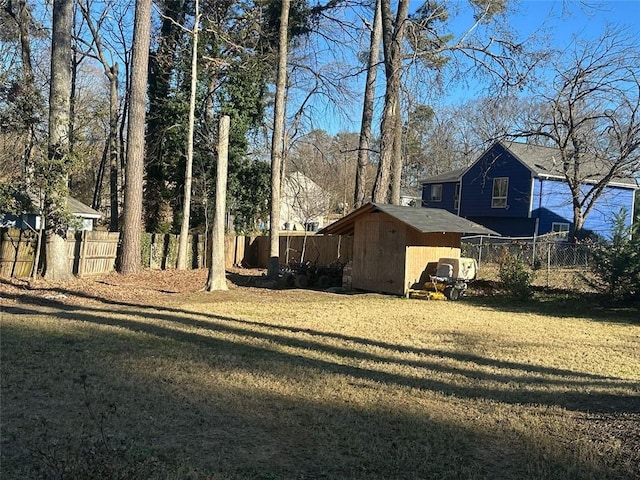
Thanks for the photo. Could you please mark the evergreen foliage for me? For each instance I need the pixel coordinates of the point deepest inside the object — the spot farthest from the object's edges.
(14, 199)
(615, 264)
(516, 277)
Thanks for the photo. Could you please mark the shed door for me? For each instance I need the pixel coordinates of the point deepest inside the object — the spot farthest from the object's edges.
(381, 268)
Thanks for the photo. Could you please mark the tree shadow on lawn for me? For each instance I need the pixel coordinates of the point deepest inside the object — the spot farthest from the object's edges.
(266, 435)
(477, 384)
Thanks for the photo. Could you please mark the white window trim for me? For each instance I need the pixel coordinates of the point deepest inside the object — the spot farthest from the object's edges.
(432, 198)
(499, 201)
(562, 233)
(456, 196)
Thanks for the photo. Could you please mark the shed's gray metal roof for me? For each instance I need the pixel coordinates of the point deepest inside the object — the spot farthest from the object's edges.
(424, 220)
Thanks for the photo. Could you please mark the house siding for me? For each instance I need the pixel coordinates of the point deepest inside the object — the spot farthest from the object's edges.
(477, 186)
(552, 203)
(448, 196)
(508, 226)
(533, 204)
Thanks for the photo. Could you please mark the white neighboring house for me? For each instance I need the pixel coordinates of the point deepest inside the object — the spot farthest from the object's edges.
(31, 220)
(304, 204)
(410, 199)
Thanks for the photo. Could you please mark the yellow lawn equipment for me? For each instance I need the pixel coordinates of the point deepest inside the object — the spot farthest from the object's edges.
(450, 280)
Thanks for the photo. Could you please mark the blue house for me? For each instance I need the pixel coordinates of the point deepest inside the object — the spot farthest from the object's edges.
(519, 190)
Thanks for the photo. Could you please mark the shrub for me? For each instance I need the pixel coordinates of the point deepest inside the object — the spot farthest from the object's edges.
(516, 277)
(615, 264)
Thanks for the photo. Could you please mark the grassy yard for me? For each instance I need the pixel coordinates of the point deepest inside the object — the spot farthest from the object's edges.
(108, 379)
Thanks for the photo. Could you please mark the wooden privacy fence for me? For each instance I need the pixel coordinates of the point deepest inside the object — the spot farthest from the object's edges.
(17, 252)
(320, 249)
(88, 253)
(94, 252)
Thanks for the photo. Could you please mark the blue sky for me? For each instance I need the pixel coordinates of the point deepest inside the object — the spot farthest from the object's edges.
(561, 21)
(567, 18)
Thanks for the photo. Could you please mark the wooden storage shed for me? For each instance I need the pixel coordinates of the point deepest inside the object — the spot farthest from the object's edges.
(393, 245)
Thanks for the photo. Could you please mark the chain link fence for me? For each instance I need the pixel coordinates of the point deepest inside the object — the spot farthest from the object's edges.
(555, 261)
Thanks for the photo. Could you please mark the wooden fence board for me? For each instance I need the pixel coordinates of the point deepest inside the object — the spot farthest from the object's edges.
(320, 249)
(98, 253)
(93, 253)
(17, 248)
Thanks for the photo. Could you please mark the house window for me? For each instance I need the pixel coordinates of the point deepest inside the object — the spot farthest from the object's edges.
(456, 197)
(436, 193)
(500, 187)
(561, 229)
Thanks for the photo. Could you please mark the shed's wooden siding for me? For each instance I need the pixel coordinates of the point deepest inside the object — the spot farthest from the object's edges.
(378, 254)
(421, 262)
(437, 239)
(388, 254)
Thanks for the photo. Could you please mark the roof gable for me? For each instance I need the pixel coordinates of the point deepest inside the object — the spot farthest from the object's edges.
(547, 162)
(82, 210)
(424, 220)
(541, 161)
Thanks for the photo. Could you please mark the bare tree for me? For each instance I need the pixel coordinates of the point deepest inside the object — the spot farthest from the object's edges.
(364, 144)
(592, 117)
(112, 150)
(186, 203)
(419, 40)
(132, 220)
(392, 39)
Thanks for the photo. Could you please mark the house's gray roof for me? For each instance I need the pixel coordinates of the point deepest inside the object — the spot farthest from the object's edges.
(543, 162)
(424, 220)
(547, 161)
(76, 207)
(452, 176)
(82, 210)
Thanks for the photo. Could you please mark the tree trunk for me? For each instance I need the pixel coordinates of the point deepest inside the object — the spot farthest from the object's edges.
(217, 277)
(277, 143)
(96, 202)
(114, 150)
(160, 156)
(392, 37)
(396, 166)
(132, 220)
(56, 189)
(360, 195)
(578, 222)
(23, 19)
(186, 204)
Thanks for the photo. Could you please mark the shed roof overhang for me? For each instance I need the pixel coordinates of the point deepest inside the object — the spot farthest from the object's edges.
(424, 220)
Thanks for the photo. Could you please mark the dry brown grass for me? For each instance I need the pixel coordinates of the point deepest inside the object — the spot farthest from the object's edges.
(261, 384)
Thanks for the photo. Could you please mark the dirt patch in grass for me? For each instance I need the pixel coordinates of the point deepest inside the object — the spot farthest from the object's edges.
(149, 287)
(147, 376)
